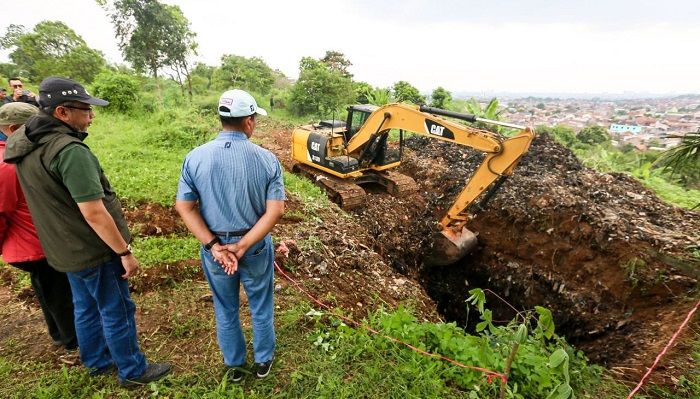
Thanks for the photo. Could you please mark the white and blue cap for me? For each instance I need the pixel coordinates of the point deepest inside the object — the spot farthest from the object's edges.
(238, 103)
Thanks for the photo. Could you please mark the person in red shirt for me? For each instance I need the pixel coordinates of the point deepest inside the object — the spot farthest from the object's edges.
(19, 243)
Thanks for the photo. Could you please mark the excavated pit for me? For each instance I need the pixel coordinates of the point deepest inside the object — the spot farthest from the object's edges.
(604, 254)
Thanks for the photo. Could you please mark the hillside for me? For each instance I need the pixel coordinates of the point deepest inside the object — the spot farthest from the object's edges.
(610, 260)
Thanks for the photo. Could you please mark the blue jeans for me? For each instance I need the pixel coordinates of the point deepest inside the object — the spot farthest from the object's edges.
(104, 320)
(256, 272)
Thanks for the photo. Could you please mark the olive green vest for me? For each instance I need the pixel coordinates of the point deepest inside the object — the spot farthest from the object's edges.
(70, 244)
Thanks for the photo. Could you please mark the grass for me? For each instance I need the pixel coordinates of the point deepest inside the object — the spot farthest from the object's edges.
(138, 171)
(606, 160)
(318, 357)
(158, 250)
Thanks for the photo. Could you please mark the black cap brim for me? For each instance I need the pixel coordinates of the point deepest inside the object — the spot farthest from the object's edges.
(95, 101)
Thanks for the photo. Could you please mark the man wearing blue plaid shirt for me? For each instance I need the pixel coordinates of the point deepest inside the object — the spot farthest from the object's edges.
(230, 196)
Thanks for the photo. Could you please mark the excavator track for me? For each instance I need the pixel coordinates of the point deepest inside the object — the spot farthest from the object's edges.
(348, 193)
(397, 184)
(345, 193)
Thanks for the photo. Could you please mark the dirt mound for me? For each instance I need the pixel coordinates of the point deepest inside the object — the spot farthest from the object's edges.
(147, 219)
(332, 256)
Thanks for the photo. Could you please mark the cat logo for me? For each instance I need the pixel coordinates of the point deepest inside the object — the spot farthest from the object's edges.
(315, 146)
(437, 129)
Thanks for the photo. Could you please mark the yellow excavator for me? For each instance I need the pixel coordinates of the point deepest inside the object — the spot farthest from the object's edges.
(341, 157)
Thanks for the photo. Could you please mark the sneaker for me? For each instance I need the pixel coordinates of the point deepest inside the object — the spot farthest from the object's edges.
(236, 373)
(263, 369)
(154, 372)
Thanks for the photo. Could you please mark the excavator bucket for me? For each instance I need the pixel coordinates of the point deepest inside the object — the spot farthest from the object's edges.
(450, 246)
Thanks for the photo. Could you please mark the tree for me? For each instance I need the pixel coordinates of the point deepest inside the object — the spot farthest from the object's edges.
(248, 73)
(181, 51)
(202, 73)
(152, 35)
(562, 134)
(593, 135)
(51, 48)
(440, 98)
(336, 61)
(120, 89)
(405, 92)
(319, 90)
(362, 92)
(8, 69)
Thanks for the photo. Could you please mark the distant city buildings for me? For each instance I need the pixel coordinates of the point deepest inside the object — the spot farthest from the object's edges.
(619, 129)
(655, 123)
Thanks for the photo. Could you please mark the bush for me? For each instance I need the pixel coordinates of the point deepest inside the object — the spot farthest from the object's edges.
(593, 135)
(120, 89)
(180, 128)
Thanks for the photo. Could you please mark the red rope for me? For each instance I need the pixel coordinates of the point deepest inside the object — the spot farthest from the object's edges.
(663, 352)
(490, 375)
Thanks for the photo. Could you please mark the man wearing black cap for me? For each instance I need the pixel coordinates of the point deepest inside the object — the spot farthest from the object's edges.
(4, 99)
(82, 228)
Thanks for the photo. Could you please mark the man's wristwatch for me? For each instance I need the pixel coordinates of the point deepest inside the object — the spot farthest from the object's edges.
(127, 252)
(211, 243)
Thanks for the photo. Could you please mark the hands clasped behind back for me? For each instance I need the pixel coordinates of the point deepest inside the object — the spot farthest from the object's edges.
(225, 255)
(230, 255)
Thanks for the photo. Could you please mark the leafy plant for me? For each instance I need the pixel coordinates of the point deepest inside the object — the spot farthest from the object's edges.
(440, 98)
(405, 92)
(320, 91)
(120, 89)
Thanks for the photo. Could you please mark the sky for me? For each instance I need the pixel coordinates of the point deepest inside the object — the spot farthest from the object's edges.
(528, 47)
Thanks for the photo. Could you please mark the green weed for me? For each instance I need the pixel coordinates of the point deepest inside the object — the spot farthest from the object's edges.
(157, 250)
(605, 159)
(633, 268)
(308, 192)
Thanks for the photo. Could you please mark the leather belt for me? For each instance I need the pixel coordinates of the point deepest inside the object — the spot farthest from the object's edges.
(227, 234)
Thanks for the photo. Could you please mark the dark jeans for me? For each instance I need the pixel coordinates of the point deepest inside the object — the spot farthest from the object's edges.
(104, 320)
(53, 291)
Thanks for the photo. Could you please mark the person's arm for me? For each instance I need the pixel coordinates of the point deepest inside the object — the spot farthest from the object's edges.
(3, 228)
(273, 213)
(189, 212)
(9, 197)
(97, 216)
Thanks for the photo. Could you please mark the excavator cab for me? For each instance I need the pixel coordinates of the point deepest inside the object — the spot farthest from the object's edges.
(377, 152)
(357, 116)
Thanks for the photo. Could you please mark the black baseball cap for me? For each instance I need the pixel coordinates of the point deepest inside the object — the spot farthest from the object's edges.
(54, 91)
